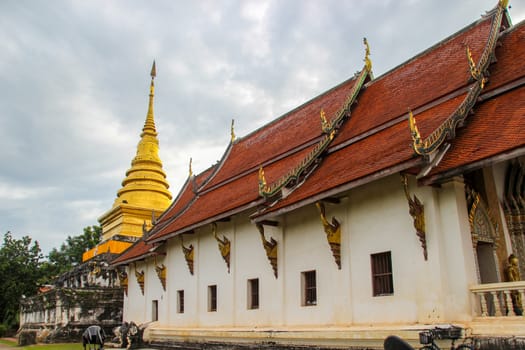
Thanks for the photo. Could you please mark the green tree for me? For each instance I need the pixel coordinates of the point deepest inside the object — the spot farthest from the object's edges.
(70, 253)
(20, 261)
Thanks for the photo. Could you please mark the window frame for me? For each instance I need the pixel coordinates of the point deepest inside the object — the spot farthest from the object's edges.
(253, 296)
(212, 298)
(382, 274)
(154, 310)
(180, 301)
(309, 288)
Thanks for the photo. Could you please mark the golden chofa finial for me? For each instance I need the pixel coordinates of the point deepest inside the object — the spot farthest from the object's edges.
(190, 169)
(232, 131)
(504, 3)
(368, 62)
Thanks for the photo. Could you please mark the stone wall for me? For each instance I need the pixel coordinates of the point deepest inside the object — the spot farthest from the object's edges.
(62, 314)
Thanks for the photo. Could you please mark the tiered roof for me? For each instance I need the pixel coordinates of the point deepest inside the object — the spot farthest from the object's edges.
(331, 144)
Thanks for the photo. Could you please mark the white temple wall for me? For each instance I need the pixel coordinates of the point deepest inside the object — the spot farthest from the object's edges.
(153, 291)
(458, 268)
(374, 218)
(305, 249)
(249, 261)
(212, 271)
(179, 279)
(499, 172)
(379, 221)
(136, 302)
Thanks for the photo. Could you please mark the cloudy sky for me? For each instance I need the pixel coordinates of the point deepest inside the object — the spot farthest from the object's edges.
(74, 80)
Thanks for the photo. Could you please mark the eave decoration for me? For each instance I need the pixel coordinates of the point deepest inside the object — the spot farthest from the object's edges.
(139, 275)
(479, 73)
(224, 245)
(483, 226)
(417, 211)
(188, 254)
(123, 280)
(329, 128)
(333, 233)
(161, 273)
(270, 248)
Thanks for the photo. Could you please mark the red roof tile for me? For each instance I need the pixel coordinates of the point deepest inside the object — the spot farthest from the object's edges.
(135, 252)
(376, 138)
(286, 133)
(497, 126)
(434, 73)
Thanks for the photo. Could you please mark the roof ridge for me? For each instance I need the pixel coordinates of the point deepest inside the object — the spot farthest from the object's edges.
(433, 47)
(329, 129)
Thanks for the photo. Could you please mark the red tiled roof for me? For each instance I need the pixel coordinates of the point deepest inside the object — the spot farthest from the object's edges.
(184, 198)
(356, 158)
(292, 130)
(434, 73)
(376, 139)
(135, 252)
(497, 126)
(242, 192)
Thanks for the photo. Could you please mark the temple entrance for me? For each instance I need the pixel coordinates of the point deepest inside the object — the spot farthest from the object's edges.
(487, 265)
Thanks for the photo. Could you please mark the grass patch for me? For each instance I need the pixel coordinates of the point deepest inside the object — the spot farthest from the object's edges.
(7, 342)
(65, 346)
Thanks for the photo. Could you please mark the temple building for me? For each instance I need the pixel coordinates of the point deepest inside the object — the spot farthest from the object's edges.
(386, 205)
(93, 292)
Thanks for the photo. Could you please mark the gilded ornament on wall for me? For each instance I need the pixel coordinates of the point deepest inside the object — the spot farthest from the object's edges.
(333, 233)
(224, 245)
(417, 211)
(140, 279)
(270, 248)
(188, 254)
(161, 273)
(123, 280)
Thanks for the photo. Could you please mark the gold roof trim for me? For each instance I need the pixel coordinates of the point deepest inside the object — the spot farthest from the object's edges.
(479, 71)
(329, 128)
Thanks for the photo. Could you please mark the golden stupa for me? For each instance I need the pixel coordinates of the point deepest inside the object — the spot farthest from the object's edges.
(144, 194)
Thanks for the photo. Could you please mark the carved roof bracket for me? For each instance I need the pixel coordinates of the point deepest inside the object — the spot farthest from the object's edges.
(123, 281)
(417, 211)
(224, 245)
(333, 233)
(270, 247)
(188, 254)
(161, 273)
(139, 275)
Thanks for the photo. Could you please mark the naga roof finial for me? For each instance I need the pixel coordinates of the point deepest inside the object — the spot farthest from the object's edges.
(190, 169)
(232, 131)
(504, 3)
(368, 62)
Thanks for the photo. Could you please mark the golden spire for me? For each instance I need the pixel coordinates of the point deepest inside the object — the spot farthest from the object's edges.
(145, 184)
